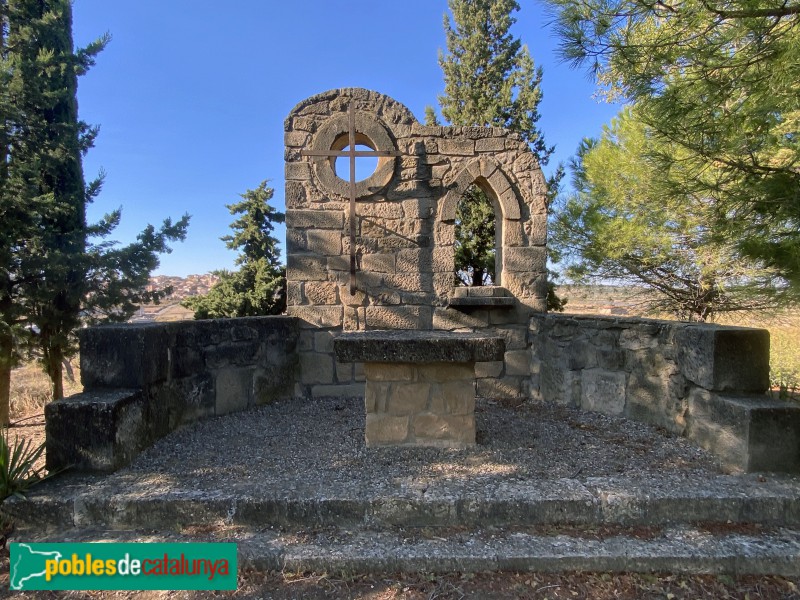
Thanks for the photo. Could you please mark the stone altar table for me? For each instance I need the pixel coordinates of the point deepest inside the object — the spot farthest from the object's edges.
(420, 385)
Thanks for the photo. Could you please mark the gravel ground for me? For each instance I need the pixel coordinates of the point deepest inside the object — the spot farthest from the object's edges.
(322, 440)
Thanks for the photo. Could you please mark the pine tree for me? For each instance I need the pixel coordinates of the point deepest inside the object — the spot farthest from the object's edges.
(490, 80)
(719, 80)
(619, 226)
(258, 287)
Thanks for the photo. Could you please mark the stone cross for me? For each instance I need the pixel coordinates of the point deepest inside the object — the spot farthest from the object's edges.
(351, 153)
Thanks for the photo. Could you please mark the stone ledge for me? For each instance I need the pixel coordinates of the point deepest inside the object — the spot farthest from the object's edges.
(485, 302)
(418, 347)
(748, 433)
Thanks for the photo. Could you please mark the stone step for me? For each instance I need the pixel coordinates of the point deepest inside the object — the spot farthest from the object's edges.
(65, 503)
(732, 549)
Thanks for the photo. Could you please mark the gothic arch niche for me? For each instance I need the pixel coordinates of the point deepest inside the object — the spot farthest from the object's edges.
(478, 220)
(486, 175)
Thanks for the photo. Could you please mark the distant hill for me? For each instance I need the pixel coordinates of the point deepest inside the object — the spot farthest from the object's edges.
(170, 309)
(581, 299)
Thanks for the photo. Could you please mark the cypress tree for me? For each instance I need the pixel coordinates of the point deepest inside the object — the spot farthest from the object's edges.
(59, 270)
(258, 287)
(490, 80)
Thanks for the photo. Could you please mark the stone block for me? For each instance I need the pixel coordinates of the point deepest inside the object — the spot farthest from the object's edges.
(354, 319)
(344, 372)
(186, 361)
(505, 388)
(443, 260)
(408, 398)
(448, 319)
(348, 390)
(359, 298)
(524, 259)
(536, 230)
(275, 382)
(380, 210)
(638, 339)
(382, 430)
(317, 316)
(222, 356)
(380, 263)
(295, 194)
(123, 356)
(457, 147)
(412, 260)
(453, 398)
(528, 284)
(721, 358)
(301, 267)
(295, 138)
(516, 337)
(421, 208)
(410, 282)
(418, 347)
(338, 263)
(392, 317)
(294, 293)
(300, 171)
(321, 292)
(518, 362)
(314, 219)
(446, 371)
(324, 242)
(316, 367)
(455, 431)
(323, 342)
(387, 371)
(96, 431)
(603, 391)
(748, 433)
(188, 400)
(233, 390)
(490, 145)
(489, 369)
(359, 373)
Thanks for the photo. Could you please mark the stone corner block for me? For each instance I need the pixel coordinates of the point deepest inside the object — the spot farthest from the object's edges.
(748, 433)
(97, 431)
(123, 356)
(720, 358)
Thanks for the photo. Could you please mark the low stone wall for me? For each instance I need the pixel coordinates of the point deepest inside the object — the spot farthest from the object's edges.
(704, 381)
(141, 381)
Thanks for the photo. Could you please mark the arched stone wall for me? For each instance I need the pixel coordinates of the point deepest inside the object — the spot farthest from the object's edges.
(404, 229)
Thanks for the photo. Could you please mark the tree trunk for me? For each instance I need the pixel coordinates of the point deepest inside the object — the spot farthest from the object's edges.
(53, 358)
(6, 351)
(477, 277)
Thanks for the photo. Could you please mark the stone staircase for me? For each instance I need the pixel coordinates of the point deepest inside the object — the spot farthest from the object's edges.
(730, 524)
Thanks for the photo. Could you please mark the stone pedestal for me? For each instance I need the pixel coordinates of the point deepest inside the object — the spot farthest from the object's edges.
(420, 388)
(425, 405)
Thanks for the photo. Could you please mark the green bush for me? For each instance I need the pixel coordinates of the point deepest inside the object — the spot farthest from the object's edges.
(18, 470)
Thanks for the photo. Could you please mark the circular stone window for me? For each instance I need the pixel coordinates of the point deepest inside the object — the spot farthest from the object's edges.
(334, 172)
(365, 165)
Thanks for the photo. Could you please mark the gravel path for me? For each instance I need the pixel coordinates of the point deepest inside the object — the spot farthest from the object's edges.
(315, 442)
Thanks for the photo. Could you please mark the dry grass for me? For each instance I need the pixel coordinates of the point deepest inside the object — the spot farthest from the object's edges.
(784, 352)
(30, 389)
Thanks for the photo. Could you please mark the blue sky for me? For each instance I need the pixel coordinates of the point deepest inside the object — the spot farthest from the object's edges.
(191, 97)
